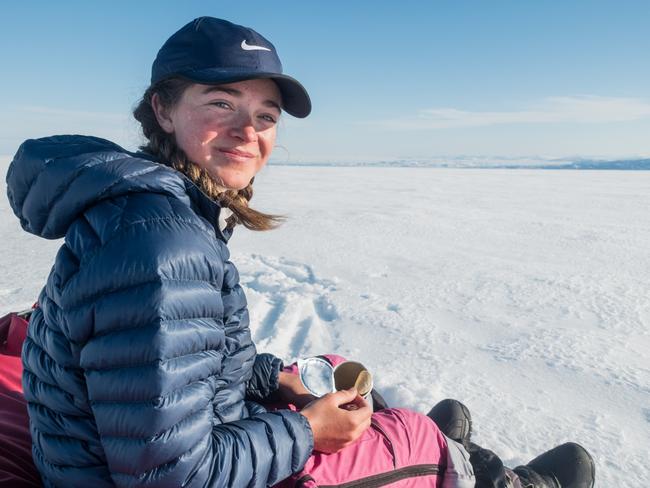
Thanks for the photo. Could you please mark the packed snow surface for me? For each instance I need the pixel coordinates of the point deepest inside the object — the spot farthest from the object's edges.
(523, 293)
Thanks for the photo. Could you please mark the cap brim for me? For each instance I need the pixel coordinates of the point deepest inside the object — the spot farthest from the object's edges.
(295, 99)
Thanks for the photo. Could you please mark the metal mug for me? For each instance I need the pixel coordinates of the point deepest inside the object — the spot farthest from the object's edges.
(319, 377)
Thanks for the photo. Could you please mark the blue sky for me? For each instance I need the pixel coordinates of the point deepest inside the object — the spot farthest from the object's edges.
(388, 80)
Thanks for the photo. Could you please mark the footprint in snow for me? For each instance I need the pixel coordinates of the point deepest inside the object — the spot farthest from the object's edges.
(290, 307)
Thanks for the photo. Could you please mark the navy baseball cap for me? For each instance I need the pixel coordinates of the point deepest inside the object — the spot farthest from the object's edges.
(214, 51)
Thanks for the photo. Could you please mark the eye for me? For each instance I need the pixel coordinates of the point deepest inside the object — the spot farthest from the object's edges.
(268, 118)
(221, 104)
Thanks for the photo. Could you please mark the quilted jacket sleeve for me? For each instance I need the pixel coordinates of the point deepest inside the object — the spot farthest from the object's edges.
(264, 384)
(158, 360)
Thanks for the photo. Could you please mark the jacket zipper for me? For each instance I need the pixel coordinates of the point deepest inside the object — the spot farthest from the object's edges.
(378, 428)
(381, 479)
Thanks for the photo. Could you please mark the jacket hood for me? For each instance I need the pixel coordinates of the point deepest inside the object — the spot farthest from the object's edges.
(52, 180)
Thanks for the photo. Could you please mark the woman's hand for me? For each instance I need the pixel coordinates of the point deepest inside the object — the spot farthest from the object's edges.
(292, 390)
(337, 419)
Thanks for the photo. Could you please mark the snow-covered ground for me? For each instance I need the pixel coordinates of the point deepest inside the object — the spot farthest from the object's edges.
(523, 293)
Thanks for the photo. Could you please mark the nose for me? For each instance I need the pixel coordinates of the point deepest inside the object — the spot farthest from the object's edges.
(243, 129)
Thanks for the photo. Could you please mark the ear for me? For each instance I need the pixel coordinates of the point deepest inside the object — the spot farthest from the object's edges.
(162, 114)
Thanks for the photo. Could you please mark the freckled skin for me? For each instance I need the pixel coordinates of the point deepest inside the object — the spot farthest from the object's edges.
(230, 135)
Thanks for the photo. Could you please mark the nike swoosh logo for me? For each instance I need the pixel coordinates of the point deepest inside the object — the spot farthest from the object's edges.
(248, 47)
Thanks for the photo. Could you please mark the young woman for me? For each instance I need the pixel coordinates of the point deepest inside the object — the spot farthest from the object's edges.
(139, 369)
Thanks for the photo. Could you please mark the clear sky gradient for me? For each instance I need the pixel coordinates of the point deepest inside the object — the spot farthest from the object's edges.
(388, 80)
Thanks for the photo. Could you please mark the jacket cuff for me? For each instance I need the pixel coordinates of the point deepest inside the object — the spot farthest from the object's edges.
(300, 429)
(265, 382)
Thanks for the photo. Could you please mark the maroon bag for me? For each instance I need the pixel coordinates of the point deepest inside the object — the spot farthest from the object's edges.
(13, 330)
(16, 466)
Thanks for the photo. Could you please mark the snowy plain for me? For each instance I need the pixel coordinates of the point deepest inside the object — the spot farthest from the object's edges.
(523, 293)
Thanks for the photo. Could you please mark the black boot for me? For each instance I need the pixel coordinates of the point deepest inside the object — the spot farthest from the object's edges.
(566, 466)
(453, 419)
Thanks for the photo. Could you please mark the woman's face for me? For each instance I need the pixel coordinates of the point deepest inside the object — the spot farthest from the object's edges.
(229, 130)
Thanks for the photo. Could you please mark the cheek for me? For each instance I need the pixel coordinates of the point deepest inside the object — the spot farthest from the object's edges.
(196, 134)
(267, 142)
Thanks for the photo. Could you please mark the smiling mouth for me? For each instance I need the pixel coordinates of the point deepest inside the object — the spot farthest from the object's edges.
(236, 154)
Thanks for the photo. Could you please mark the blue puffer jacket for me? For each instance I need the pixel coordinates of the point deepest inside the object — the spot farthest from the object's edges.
(139, 365)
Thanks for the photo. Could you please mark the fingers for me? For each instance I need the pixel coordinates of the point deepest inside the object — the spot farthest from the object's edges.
(335, 428)
(360, 402)
(344, 396)
(361, 416)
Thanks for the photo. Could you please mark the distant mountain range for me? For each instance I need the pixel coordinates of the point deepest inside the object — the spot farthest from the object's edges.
(491, 163)
(631, 164)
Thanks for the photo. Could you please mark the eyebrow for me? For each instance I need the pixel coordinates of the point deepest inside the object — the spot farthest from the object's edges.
(237, 93)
